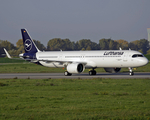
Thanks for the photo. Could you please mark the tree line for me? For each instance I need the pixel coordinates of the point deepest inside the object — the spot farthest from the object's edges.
(58, 44)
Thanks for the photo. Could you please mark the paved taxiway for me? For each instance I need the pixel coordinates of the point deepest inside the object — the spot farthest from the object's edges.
(83, 75)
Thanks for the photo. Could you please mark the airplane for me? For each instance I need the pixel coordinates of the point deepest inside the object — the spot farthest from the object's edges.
(76, 62)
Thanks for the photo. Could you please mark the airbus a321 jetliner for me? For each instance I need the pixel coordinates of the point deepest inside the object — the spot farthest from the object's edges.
(77, 61)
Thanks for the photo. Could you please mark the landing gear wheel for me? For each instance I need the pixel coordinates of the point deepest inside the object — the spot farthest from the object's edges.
(131, 73)
(66, 73)
(92, 72)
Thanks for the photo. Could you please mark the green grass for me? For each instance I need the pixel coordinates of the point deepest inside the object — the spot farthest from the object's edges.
(148, 57)
(74, 99)
(27, 68)
(7, 60)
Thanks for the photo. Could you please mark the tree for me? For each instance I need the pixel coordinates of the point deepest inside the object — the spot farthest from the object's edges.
(39, 45)
(73, 45)
(13, 53)
(144, 45)
(113, 45)
(83, 49)
(77, 46)
(87, 44)
(103, 44)
(20, 46)
(141, 45)
(19, 43)
(123, 44)
(136, 45)
(88, 48)
(6, 44)
(107, 44)
(148, 52)
(132, 46)
(59, 44)
(67, 44)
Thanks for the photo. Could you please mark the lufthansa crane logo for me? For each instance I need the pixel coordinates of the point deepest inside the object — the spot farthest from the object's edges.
(28, 44)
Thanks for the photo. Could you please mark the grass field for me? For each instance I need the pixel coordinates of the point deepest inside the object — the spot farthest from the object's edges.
(74, 99)
(7, 60)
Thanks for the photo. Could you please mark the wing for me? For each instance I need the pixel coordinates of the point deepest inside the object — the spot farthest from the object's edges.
(62, 62)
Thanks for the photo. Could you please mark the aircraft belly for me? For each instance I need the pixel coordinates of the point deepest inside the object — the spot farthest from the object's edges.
(109, 63)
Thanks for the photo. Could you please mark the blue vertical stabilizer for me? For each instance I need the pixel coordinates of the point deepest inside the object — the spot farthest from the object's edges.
(29, 45)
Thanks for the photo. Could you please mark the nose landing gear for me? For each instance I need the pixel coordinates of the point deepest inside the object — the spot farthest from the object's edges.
(130, 71)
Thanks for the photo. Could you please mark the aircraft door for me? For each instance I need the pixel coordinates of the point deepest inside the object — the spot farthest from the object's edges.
(60, 57)
(125, 57)
(82, 57)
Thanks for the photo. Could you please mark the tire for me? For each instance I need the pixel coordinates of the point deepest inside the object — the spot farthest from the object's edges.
(131, 73)
(66, 73)
(92, 72)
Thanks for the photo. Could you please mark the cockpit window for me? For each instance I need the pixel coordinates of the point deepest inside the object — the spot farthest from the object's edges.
(137, 55)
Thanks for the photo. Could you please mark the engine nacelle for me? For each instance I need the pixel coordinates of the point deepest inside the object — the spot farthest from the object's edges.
(75, 68)
(112, 70)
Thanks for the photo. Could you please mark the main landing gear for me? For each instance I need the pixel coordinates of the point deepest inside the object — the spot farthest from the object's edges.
(130, 71)
(92, 72)
(66, 73)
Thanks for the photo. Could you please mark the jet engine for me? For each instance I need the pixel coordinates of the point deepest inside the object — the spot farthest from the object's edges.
(112, 70)
(75, 68)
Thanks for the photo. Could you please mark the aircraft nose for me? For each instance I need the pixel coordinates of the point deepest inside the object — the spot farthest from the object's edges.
(145, 61)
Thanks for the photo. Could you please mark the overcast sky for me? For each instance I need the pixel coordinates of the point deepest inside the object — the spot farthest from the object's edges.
(75, 19)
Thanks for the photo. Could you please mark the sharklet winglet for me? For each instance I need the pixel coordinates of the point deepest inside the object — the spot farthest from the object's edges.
(7, 53)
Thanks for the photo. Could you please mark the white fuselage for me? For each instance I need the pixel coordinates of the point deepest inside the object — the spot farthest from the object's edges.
(92, 59)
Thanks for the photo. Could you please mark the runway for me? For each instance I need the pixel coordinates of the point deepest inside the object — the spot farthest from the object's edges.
(77, 76)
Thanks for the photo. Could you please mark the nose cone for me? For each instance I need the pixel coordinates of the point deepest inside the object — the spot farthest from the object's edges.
(147, 61)
(144, 61)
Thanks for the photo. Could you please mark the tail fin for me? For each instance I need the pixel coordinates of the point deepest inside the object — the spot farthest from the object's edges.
(29, 45)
